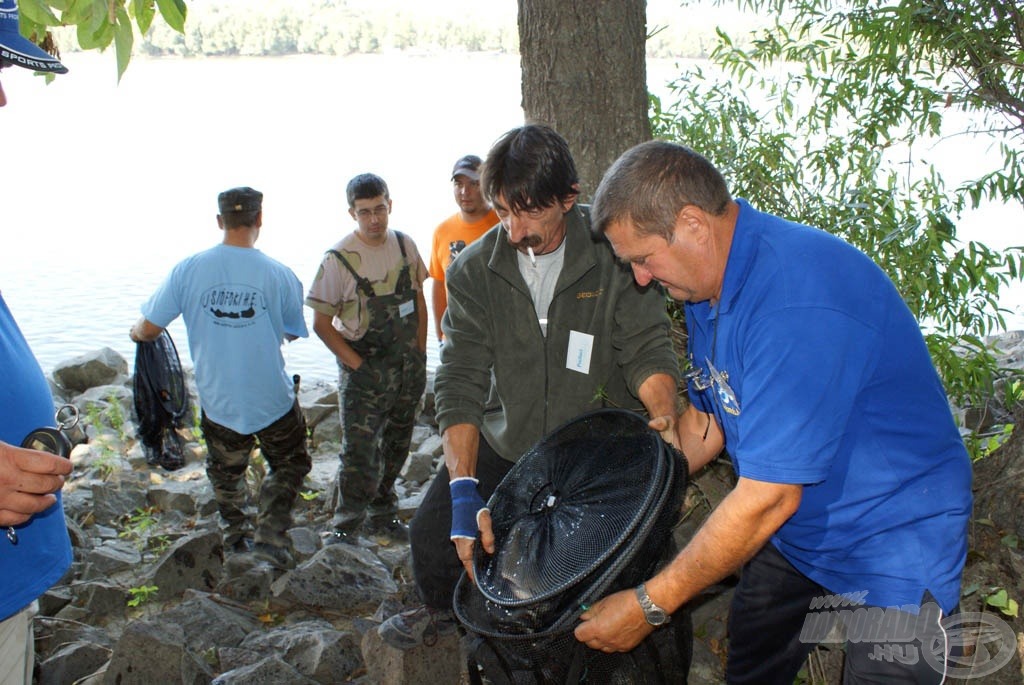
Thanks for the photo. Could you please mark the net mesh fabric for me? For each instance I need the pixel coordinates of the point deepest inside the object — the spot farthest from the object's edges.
(161, 401)
(587, 511)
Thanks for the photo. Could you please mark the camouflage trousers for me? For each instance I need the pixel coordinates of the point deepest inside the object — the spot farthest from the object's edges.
(283, 446)
(377, 406)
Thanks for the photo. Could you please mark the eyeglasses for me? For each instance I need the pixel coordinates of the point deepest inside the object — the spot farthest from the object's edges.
(378, 211)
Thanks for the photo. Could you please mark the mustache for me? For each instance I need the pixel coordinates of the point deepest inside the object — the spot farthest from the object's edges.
(528, 241)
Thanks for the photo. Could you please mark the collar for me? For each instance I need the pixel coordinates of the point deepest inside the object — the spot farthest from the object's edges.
(741, 255)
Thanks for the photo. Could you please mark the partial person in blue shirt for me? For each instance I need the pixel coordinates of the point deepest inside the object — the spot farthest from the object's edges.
(239, 306)
(811, 372)
(36, 550)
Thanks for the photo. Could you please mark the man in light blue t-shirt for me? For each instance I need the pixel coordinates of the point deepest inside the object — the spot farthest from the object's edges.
(854, 486)
(239, 306)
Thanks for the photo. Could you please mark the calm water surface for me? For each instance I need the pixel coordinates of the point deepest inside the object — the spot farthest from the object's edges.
(115, 184)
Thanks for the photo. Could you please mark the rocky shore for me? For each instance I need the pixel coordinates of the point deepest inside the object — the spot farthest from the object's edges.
(152, 598)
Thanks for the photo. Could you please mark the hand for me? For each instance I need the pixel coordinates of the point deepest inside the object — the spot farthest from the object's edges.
(614, 624)
(666, 427)
(464, 546)
(28, 479)
(470, 518)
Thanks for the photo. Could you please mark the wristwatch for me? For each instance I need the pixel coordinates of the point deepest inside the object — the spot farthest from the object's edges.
(654, 614)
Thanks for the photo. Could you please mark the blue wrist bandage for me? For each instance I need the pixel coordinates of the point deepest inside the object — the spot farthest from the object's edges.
(466, 507)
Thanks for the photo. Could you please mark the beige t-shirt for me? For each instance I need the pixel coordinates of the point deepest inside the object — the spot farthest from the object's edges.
(334, 291)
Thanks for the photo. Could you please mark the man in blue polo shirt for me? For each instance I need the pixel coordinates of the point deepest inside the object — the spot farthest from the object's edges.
(809, 369)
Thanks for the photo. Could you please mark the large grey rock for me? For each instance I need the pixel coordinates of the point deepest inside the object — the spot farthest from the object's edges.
(102, 599)
(100, 367)
(418, 468)
(172, 495)
(193, 562)
(269, 671)
(110, 557)
(154, 652)
(207, 623)
(439, 663)
(114, 501)
(314, 648)
(431, 443)
(343, 577)
(72, 662)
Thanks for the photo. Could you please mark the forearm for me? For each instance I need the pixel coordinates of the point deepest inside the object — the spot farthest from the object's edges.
(700, 438)
(735, 531)
(421, 320)
(145, 331)
(335, 342)
(658, 394)
(461, 444)
(439, 301)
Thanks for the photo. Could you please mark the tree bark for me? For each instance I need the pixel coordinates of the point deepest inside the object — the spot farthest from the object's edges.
(585, 74)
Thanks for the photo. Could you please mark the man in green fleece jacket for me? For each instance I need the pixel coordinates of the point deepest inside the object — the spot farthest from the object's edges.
(541, 308)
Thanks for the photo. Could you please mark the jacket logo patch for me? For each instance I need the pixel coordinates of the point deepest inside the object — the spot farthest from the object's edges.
(587, 294)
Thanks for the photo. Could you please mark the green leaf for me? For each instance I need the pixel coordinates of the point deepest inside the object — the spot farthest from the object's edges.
(123, 40)
(38, 12)
(999, 600)
(144, 11)
(173, 12)
(1011, 608)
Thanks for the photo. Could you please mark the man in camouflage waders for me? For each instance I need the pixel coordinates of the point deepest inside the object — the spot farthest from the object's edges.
(369, 310)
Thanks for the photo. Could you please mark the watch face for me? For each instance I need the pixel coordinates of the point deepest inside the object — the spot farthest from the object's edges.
(656, 617)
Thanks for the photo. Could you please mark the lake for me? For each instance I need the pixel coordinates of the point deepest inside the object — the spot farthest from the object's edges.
(114, 184)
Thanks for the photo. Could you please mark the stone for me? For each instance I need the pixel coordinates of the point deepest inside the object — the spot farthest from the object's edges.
(149, 652)
(314, 648)
(417, 468)
(73, 661)
(342, 577)
(269, 671)
(111, 557)
(89, 370)
(440, 663)
(193, 562)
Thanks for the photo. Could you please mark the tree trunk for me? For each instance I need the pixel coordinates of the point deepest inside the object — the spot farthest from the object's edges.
(585, 74)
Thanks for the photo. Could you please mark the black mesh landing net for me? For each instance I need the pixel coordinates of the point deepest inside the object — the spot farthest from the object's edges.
(588, 511)
(161, 401)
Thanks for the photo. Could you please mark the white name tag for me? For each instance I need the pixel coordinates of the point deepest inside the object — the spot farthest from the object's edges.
(406, 308)
(580, 347)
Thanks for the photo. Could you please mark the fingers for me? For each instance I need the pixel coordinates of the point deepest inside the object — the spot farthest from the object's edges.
(35, 484)
(34, 461)
(464, 548)
(666, 427)
(19, 507)
(486, 531)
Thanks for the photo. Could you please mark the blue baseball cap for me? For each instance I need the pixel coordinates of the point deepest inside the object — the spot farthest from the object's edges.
(17, 49)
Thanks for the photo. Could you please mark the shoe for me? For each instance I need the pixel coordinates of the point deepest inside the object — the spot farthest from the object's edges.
(337, 537)
(278, 557)
(390, 528)
(422, 625)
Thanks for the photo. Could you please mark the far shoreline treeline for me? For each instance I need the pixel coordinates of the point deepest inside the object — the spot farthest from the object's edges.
(273, 28)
